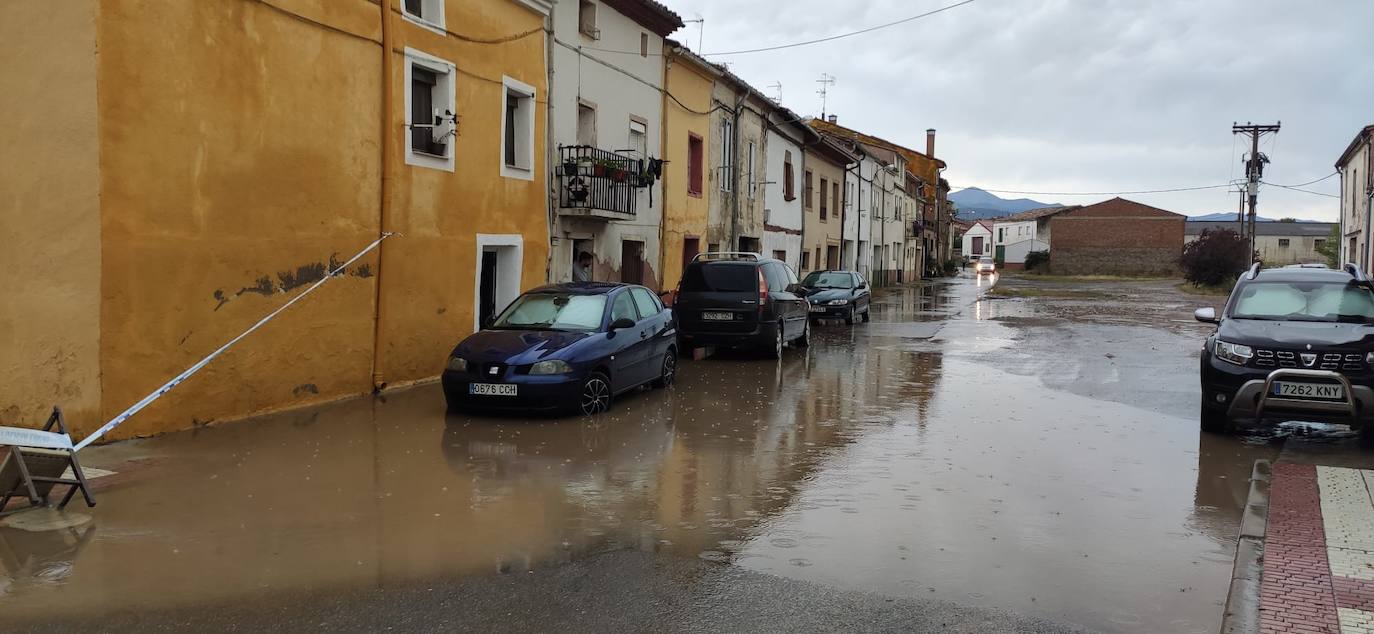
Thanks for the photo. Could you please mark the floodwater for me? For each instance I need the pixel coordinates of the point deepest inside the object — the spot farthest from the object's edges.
(1038, 456)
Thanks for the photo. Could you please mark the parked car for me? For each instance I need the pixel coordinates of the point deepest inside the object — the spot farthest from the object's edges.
(837, 295)
(565, 347)
(741, 300)
(986, 265)
(1291, 344)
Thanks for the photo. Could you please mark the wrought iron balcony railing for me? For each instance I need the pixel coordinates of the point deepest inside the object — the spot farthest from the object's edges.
(599, 183)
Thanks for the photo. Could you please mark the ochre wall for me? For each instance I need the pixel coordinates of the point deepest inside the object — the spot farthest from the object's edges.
(239, 152)
(429, 273)
(685, 214)
(49, 213)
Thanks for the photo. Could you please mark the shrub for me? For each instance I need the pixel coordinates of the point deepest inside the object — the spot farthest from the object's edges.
(1215, 257)
(1331, 249)
(1037, 260)
(951, 266)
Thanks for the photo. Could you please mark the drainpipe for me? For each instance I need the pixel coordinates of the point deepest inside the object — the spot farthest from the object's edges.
(663, 215)
(844, 214)
(384, 210)
(734, 172)
(550, 151)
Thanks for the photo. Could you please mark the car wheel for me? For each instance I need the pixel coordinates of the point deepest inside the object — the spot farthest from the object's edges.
(1213, 421)
(805, 339)
(775, 352)
(595, 397)
(849, 318)
(866, 314)
(668, 374)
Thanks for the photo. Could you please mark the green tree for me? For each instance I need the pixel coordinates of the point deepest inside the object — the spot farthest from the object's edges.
(1332, 247)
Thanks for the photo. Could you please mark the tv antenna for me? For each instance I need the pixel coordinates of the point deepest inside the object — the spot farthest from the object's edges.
(701, 30)
(826, 81)
(777, 85)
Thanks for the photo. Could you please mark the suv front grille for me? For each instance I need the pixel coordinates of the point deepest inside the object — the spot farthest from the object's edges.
(1325, 360)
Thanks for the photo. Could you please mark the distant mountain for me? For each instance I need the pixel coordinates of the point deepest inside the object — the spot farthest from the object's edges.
(1227, 216)
(976, 204)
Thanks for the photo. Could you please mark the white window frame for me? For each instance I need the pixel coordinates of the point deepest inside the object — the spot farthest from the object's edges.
(435, 7)
(447, 74)
(507, 288)
(525, 91)
(727, 155)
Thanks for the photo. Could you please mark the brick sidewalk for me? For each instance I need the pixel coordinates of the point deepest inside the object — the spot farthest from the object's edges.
(1319, 551)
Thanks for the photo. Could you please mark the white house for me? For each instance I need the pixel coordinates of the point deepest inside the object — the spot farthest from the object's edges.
(784, 139)
(978, 240)
(1356, 167)
(1018, 235)
(606, 119)
(858, 217)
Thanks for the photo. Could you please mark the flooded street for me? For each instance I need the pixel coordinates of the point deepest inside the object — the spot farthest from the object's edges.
(1029, 463)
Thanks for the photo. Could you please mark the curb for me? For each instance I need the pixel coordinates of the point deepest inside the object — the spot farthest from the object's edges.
(1242, 600)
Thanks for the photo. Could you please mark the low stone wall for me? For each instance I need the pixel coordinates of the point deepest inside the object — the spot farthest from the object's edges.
(1151, 261)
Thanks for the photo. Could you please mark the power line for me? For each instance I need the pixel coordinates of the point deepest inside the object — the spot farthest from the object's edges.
(843, 35)
(1143, 191)
(1307, 183)
(1305, 191)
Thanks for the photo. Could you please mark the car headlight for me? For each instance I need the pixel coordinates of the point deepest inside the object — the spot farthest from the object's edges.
(458, 364)
(1233, 352)
(551, 367)
(838, 302)
(1369, 358)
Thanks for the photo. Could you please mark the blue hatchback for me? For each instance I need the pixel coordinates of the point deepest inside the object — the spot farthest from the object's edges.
(565, 347)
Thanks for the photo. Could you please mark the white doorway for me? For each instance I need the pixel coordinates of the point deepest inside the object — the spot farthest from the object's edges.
(497, 273)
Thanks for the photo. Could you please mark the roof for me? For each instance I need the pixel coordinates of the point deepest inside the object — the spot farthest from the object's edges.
(1295, 229)
(980, 223)
(657, 17)
(828, 148)
(1120, 208)
(1361, 137)
(581, 288)
(835, 129)
(1035, 214)
(1294, 274)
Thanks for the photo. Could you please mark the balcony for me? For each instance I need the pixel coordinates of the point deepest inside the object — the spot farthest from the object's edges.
(599, 184)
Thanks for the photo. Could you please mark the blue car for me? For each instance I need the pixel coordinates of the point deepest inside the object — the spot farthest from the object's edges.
(565, 348)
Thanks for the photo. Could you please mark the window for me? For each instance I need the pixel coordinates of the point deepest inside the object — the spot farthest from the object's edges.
(1283, 243)
(806, 260)
(776, 278)
(779, 255)
(643, 44)
(586, 19)
(639, 138)
(825, 207)
(517, 131)
(623, 308)
(430, 115)
(749, 171)
(727, 155)
(788, 185)
(586, 124)
(426, 13)
(1319, 243)
(647, 303)
(806, 192)
(694, 165)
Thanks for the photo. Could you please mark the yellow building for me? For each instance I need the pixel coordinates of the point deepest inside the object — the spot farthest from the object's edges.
(217, 156)
(686, 146)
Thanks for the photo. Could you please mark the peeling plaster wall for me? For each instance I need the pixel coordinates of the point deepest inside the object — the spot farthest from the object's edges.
(239, 154)
(49, 213)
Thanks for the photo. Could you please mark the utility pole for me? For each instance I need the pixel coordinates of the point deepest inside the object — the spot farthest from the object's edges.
(826, 81)
(1254, 167)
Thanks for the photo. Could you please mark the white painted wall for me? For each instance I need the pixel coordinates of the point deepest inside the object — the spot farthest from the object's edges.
(1354, 205)
(978, 230)
(1016, 251)
(620, 86)
(1005, 233)
(778, 211)
(858, 221)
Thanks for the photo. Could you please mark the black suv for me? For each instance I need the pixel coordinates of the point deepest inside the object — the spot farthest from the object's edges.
(1292, 343)
(741, 300)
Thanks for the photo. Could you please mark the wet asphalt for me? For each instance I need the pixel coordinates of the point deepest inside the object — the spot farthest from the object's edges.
(962, 463)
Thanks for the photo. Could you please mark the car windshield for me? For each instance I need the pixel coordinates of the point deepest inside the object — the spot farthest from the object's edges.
(553, 311)
(985, 261)
(720, 277)
(1305, 301)
(822, 279)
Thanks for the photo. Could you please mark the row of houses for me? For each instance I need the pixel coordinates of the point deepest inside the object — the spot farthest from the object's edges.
(177, 171)
(1127, 238)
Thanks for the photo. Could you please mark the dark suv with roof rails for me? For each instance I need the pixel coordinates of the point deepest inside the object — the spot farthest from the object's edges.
(741, 300)
(1292, 343)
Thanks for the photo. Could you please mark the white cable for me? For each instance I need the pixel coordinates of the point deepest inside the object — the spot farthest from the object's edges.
(167, 387)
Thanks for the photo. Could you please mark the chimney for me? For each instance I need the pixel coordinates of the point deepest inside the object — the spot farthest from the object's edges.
(930, 142)
(834, 118)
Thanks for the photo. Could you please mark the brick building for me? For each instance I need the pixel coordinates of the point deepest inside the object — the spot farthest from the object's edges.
(1116, 237)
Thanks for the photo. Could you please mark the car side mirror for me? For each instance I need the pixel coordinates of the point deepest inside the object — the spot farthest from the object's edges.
(794, 288)
(1206, 315)
(622, 324)
(863, 285)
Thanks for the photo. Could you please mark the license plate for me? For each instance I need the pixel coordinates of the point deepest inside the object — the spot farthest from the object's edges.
(718, 316)
(817, 309)
(1309, 390)
(492, 389)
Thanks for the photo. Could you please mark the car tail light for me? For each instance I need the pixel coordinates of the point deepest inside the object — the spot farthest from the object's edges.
(763, 291)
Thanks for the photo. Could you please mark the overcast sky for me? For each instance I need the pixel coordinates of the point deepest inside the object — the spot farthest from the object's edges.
(1078, 95)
